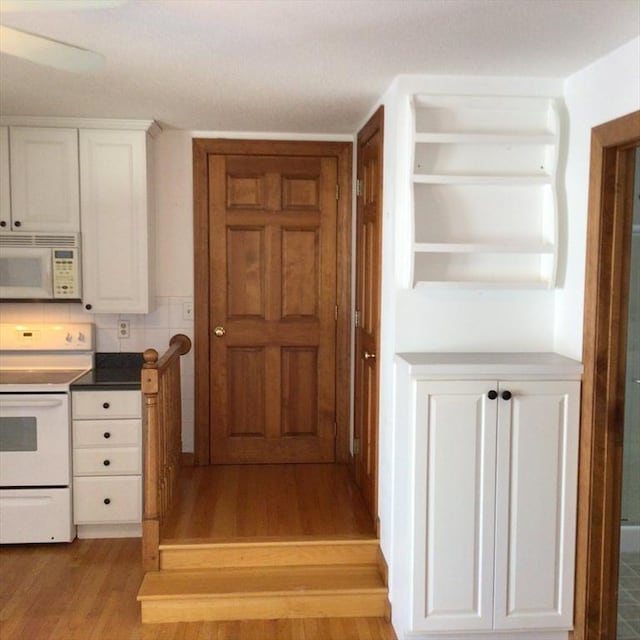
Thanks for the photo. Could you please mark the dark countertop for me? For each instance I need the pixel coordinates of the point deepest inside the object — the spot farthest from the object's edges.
(112, 371)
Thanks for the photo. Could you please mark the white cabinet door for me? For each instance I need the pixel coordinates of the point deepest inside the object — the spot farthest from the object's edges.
(113, 186)
(536, 484)
(5, 200)
(454, 505)
(44, 179)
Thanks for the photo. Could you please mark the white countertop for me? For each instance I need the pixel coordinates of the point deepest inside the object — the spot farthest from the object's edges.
(495, 364)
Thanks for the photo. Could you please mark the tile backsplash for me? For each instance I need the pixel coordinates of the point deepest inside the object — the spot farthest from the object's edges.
(153, 330)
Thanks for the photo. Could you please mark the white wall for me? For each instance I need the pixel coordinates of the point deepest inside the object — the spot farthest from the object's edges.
(603, 91)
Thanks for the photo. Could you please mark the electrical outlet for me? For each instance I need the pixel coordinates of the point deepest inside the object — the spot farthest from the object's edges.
(123, 329)
(187, 310)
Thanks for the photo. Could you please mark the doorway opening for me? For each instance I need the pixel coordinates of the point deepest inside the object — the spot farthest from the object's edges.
(604, 354)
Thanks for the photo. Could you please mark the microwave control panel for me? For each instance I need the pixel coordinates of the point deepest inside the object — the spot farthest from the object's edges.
(65, 273)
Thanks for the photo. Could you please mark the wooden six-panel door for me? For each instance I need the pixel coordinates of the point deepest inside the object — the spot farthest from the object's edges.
(272, 243)
(368, 270)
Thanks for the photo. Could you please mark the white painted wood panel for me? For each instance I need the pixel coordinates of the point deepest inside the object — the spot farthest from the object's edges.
(114, 220)
(5, 199)
(44, 179)
(535, 504)
(454, 505)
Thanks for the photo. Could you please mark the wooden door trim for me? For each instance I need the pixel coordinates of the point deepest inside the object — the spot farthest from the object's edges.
(602, 412)
(343, 152)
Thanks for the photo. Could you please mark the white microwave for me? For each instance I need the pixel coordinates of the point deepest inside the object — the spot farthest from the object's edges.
(40, 266)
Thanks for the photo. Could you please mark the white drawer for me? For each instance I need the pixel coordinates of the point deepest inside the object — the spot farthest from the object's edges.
(104, 405)
(107, 500)
(107, 461)
(108, 433)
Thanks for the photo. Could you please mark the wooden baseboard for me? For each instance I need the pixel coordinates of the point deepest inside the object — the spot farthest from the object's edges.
(187, 459)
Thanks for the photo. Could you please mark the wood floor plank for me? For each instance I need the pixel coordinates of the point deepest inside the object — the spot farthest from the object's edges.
(277, 500)
(87, 590)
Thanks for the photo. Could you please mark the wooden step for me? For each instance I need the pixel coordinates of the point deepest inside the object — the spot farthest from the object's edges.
(268, 553)
(252, 593)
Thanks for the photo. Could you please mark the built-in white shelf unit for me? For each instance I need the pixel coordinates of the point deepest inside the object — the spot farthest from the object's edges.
(485, 212)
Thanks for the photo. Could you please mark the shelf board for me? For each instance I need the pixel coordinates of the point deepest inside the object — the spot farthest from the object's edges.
(479, 247)
(432, 178)
(542, 137)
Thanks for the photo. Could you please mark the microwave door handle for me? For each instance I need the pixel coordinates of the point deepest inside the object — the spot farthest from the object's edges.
(26, 404)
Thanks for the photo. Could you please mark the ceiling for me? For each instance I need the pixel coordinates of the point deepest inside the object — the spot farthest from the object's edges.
(307, 66)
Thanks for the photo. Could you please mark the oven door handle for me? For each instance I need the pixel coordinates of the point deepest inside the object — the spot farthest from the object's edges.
(21, 404)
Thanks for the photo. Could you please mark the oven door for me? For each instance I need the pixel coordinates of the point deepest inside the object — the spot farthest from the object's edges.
(35, 440)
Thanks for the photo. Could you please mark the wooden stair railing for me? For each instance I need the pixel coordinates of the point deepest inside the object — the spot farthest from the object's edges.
(162, 432)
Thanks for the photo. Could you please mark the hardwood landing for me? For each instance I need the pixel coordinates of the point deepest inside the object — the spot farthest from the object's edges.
(233, 502)
(266, 542)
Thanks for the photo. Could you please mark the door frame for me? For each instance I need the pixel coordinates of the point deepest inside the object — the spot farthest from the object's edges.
(343, 152)
(604, 355)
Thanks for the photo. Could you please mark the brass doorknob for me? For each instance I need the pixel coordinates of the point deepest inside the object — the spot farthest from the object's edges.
(219, 331)
(369, 356)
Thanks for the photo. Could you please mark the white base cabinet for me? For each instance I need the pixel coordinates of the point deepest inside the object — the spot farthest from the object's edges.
(494, 500)
(107, 463)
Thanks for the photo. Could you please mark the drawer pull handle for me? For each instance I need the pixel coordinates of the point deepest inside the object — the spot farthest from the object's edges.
(107, 500)
(106, 434)
(105, 405)
(106, 463)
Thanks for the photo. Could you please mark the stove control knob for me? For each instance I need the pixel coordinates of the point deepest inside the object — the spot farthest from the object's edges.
(68, 338)
(81, 337)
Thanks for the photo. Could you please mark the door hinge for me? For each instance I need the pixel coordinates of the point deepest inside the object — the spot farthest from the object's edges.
(356, 446)
(335, 313)
(337, 192)
(358, 187)
(357, 319)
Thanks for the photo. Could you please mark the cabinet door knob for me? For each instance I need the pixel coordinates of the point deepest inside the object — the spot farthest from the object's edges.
(369, 356)
(492, 395)
(219, 331)
(506, 395)
(88, 307)
(107, 501)
(17, 223)
(106, 463)
(106, 434)
(3, 223)
(105, 405)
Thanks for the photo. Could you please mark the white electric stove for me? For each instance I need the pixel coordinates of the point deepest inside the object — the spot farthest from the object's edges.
(38, 363)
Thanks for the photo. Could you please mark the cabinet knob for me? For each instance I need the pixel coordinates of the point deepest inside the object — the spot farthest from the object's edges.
(492, 395)
(17, 223)
(107, 501)
(106, 434)
(88, 307)
(3, 223)
(219, 331)
(105, 405)
(106, 463)
(506, 395)
(369, 356)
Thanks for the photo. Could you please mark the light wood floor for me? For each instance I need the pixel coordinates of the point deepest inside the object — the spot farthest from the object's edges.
(265, 501)
(87, 590)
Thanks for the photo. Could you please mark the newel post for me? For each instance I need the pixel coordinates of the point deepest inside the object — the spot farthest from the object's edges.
(151, 513)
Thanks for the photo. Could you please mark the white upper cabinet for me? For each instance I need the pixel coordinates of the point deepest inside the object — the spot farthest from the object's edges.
(5, 189)
(114, 187)
(44, 180)
(484, 191)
